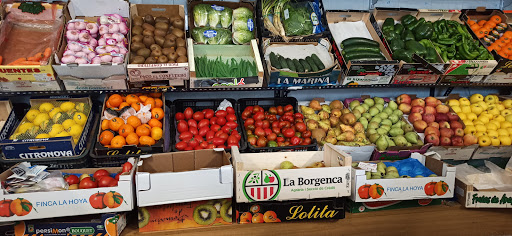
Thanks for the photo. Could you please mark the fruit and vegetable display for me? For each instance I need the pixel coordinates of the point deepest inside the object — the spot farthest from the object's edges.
(442, 127)
(278, 126)
(493, 32)
(332, 123)
(99, 179)
(207, 129)
(308, 64)
(220, 68)
(488, 118)
(407, 168)
(361, 49)
(384, 123)
(132, 119)
(52, 118)
(290, 165)
(216, 24)
(157, 40)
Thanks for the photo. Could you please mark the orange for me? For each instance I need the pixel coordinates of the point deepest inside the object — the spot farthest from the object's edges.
(496, 19)
(507, 34)
(115, 100)
(376, 191)
(133, 121)
(131, 98)
(143, 98)
(123, 104)
(115, 124)
(503, 54)
(157, 113)
(269, 216)
(143, 130)
(104, 124)
(471, 22)
(475, 27)
(490, 24)
(136, 106)
(481, 23)
(146, 141)
(117, 142)
(108, 105)
(155, 123)
(106, 136)
(132, 139)
(156, 133)
(155, 95)
(158, 102)
(125, 130)
(150, 101)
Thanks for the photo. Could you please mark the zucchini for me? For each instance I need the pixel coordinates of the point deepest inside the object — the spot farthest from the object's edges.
(291, 65)
(312, 63)
(305, 64)
(282, 61)
(273, 61)
(359, 49)
(318, 62)
(364, 56)
(358, 41)
(297, 64)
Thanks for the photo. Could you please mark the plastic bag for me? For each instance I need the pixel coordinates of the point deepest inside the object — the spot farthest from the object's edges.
(144, 114)
(224, 104)
(504, 178)
(209, 35)
(302, 18)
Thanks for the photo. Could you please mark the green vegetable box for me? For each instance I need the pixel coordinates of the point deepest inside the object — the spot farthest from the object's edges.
(359, 50)
(300, 63)
(225, 65)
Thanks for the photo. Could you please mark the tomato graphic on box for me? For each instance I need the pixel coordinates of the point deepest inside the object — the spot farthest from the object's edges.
(430, 188)
(102, 200)
(96, 200)
(364, 191)
(19, 207)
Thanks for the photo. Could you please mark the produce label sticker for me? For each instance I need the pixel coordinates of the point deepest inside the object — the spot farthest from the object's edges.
(368, 166)
(217, 8)
(286, 14)
(250, 25)
(489, 199)
(210, 33)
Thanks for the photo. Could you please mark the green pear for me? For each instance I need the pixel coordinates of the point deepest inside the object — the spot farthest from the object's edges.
(379, 100)
(376, 175)
(373, 125)
(383, 115)
(408, 128)
(381, 167)
(388, 110)
(389, 176)
(365, 106)
(393, 118)
(397, 125)
(369, 101)
(386, 127)
(354, 164)
(360, 109)
(371, 131)
(382, 131)
(402, 122)
(376, 119)
(357, 114)
(411, 137)
(386, 122)
(395, 132)
(392, 175)
(353, 104)
(420, 142)
(326, 108)
(391, 168)
(368, 174)
(286, 165)
(364, 122)
(367, 116)
(382, 143)
(391, 143)
(374, 137)
(392, 105)
(380, 107)
(400, 141)
(418, 176)
(398, 113)
(373, 111)
(432, 175)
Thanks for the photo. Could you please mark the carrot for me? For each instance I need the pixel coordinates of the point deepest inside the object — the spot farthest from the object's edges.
(17, 60)
(36, 57)
(31, 63)
(47, 52)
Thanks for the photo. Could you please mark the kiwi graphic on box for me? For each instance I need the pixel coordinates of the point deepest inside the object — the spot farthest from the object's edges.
(226, 211)
(205, 214)
(143, 217)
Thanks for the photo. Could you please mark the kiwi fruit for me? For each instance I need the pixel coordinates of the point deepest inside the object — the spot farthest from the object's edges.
(182, 59)
(171, 61)
(161, 25)
(143, 217)
(166, 51)
(138, 21)
(178, 24)
(150, 60)
(175, 18)
(147, 26)
(136, 30)
(180, 42)
(172, 56)
(162, 19)
(144, 52)
(205, 214)
(131, 57)
(156, 53)
(147, 32)
(149, 19)
(136, 46)
(148, 40)
(160, 32)
(154, 47)
(162, 59)
(170, 36)
(137, 60)
(226, 211)
(137, 38)
(181, 51)
(169, 43)
(179, 33)
(159, 40)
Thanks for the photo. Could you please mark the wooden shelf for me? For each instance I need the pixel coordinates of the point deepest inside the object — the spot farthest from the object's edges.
(429, 220)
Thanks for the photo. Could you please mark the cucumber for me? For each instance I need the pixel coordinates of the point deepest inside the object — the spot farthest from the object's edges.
(282, 61)
(273, 61)
(357, 48)
(305, 64)
(297, 64)
(364, 56)
(291, 65)
(358, 41)
(318, 62)
(312, 63)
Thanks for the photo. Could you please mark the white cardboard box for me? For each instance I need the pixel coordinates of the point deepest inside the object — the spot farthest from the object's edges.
(178, 177)
(109, 83)
(404, 188)
(259, 179)
(25, 85)
(470, 197)
(71, 202)
(455, 153)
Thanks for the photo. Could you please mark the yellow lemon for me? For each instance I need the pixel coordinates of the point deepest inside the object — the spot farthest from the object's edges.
(506, 112)
(453, 102)
(505, 140)
(44, 124)
(54, 111)
(62, 134)
(471, 116)
(24, 127)
(480, 128)
(476, 98)
(464, 101)
(483, 105)
(491, 126)
(45, 107)
(43, 136)
(58, 117)
(75, 131)
(457, 109)
(40, 118)
(31, 114)
(499, 118)
(56, 129)
(502, 132)
(505, 124)
(470, 129)
(509, 130)
(500, 107)
(67, 106)
(507, 103)
(80, 118)
(495, 141)
(483, 119)
(462, 116)
(497, 123)
(492, 133)
(477, 109)
(468, 122)
(508, 118)
(68, 123)
(465, 109)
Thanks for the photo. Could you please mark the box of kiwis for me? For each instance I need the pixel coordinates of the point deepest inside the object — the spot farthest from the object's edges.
(158, 50)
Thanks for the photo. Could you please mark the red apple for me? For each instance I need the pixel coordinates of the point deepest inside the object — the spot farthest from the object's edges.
(439, 102)
(405, 108)
(434, 124)
(441, 117)
(446, 132)
(444, 124)
(429, 118)
(442, 108)
(459, 132)
(431, 101)
(470, 139)
(432, 130)
(445, 141)
(419, 126)
(455, 124)
(452, 116)
(418, 102)
(457, 141)
(418, 109)
(404, 98)
(414, 117)
(431, 110)
(433, 139)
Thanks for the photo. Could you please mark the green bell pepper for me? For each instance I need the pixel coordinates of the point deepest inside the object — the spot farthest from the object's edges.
(390, 35)
(399, 28)
(389, 24)
(415, 24)
(431, 55)
(396, 44)
(423, 31)
(416, 47)
(407, 35)
(407, 19)
(403, 55)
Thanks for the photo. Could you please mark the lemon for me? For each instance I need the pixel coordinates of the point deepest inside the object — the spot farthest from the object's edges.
(57, 117)
(54, 111)
(80, 118)
(492, 133)
(62, 134)
(24, 127)
(31, 114)
(67, 106)
(45, 107)
(75, 131)
(491, 126)
(80, 106)
(33, 131)
(43, 136)
(56, 129)
(15, 136)
(44, 124)
(457, 109)
(71, 112)
(503, 132)
(462, 116)
(41, 118)
(505, 124)
(68, 123)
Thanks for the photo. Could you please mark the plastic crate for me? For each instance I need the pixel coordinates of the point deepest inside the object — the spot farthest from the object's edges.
(197, 105)
(266, 103)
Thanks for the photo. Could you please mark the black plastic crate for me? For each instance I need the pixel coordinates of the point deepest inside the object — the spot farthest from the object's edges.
(266, 103)
(197, 105)
(109, 161)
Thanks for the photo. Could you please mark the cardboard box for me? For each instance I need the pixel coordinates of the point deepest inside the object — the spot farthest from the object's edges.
(359, 207)
(90, 10)
(187, 215)
(114, 82)
(247, 52)
(7, 119)
(161, 84)
(461, 79)
(105, 224)
(25, 85)
(259, 179)
(184, 177)
(48, 147)
(286, 78)
(72, 202)
(470, 197)
(362, 72)
(175, 73)
(289, 211)
(405, 188)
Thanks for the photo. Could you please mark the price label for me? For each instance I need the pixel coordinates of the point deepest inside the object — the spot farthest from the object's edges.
(372, 167)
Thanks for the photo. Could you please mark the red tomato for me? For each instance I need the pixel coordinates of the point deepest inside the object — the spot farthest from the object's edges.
(72, 179)
(198, 138)
(282, 124)
(306, 141)
(198, 116)
(198, 148)
(113, 183)
(272, 110)
(181, 145)
(288, 108)
(226, 129)
(261, 142)
(230, 110)
(272, 118)
(186, 136)
(259, 132)
(306, 134)
(268, 131)
(272, 137)
(223, 136)
(221, 113)
(192, 123)
(204, 145)
(295, 140)
(210, 135)
(194, 131)
(127, 167)
(203, 131)
(99, 173)
(301, 127)
(259, 116)
(288, 133)
(232, 125)
(246, 114)
(193, 143)
(188, 149)
(257, 109)
(236, 134)
(188, 113)
(276, 130)
(280, 139)
(298, 120)
(105, 181)
(258, 123)
(180, 116)
(231, 117)
(208, 113)
(87, 183)
(203, 123)
(221, 121)
(249, 121)
(280, 110)
(288, 118)
(213, 120)
(215, 128)
(218, 141)
(252, 140)
(182, 126)
(232, 140)
(275, 124)
(298, 116)
(249, 108)
(266, 124)
(250, 127)
(211, 146)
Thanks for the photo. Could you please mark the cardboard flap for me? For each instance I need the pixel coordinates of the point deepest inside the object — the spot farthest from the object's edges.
(226, 174)
(425, 63)
(331, 154)
(143, 181)
(98, 8)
